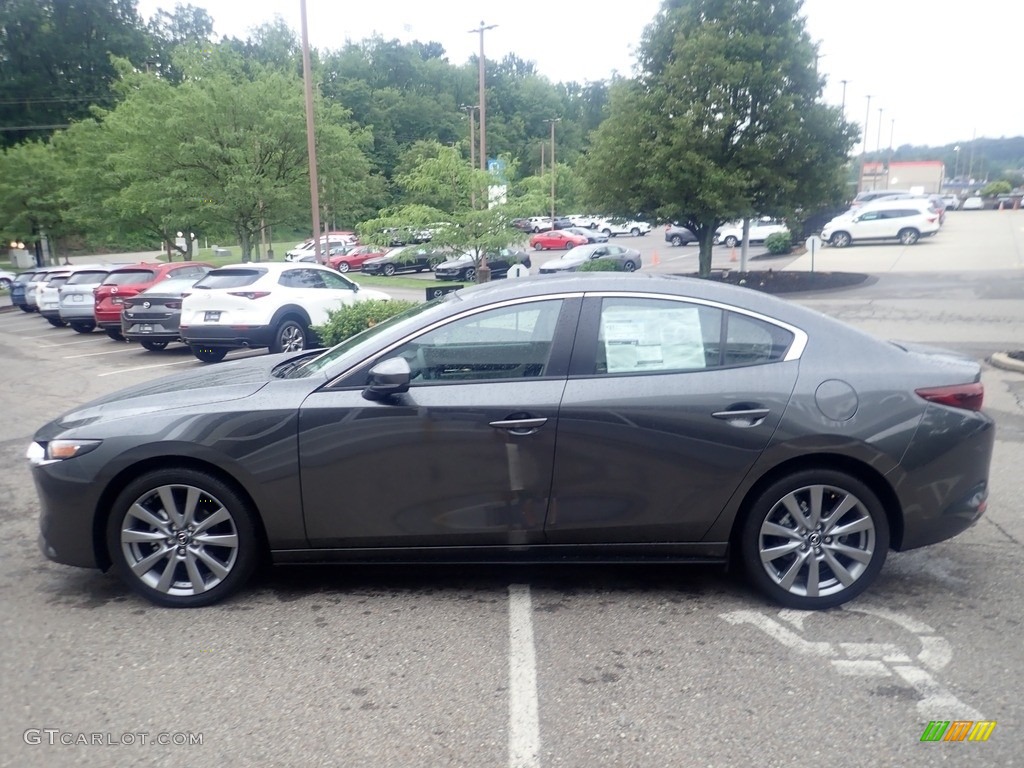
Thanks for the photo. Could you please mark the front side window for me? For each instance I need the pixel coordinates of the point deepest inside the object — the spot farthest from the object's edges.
(510, 342)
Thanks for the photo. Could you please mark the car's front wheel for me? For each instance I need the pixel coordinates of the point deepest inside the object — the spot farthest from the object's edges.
(208, 354)
(289, 337)
(909, 236)
(676, 240)
(814, 539)
(469, 274)
(730, 242)
(840, 240)
(182, 538)
(389, 270)
(343, 266)
(635, 232)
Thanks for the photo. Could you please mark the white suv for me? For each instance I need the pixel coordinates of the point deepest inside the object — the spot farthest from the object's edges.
(761, 229)
(265, 304)
(904, 220)
(613, 227)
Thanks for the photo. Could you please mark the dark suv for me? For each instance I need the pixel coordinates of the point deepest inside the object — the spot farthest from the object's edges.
(124, 282)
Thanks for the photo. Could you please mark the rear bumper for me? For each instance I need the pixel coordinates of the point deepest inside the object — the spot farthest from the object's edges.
(223, 336)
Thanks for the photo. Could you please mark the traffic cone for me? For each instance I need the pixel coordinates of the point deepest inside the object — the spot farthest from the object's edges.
(732, 256)
(655, 259)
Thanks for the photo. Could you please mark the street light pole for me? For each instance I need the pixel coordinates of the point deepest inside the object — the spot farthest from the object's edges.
(844, 82)
(552, 122)
(888, 166)
(483, 100)
(864, 152)
(470, 109)
(314, 187)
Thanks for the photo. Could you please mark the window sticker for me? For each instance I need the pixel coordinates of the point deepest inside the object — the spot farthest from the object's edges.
(652, 340)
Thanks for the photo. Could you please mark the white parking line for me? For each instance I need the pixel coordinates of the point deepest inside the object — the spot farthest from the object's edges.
(144, 367)
(524, 725)
(83, 340)
(126, 348)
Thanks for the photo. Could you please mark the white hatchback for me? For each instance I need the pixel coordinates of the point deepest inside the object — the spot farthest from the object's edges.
(266, 304)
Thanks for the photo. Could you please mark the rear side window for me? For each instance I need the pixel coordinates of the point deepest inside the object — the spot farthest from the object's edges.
(230, 278)
(130, 277)
(25, 277)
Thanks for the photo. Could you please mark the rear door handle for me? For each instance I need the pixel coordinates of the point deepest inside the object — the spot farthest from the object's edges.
(746, 417)
(520, 426)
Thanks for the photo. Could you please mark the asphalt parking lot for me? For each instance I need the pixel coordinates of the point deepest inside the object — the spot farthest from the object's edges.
(554, 666)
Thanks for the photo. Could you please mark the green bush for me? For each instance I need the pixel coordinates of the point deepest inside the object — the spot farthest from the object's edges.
(996, 188)
(348, 321)
(600, 265)
(779, 243)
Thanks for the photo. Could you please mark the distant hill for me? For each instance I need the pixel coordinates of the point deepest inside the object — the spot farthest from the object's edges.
(983, 158)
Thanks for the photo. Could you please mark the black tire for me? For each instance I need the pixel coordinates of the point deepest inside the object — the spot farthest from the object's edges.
(635, 232)
(208, 354)
(805, 554)
(469, 274)
(290, 336)
(629, 266)
(909, 236)
(568, 245)
(607, 232)
(153, 346)
(389, 270)
(83, 327)
(676, 240)
(5, 284)
(210, 550)
(730, 242)
(343, 266)
(114, 333)
(840, 240)
(56, 322)
(538, 247)
(25, 309)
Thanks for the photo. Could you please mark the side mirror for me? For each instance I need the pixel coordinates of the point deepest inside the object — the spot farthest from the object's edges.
(388, 377)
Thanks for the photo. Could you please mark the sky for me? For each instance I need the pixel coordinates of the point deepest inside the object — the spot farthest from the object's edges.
(937, 73)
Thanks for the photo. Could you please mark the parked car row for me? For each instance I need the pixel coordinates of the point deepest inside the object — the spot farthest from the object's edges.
(212, 311)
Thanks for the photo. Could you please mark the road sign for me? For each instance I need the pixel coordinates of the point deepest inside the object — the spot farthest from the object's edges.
(518, 270)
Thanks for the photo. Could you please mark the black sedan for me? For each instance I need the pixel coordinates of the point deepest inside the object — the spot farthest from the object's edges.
(578, 418)
(464, 266)
(408, 258)
(153, 316)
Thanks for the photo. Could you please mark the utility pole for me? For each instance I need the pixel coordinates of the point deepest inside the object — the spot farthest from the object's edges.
(864, 152)
(888, 165)
(470, 110)
(844, 82)
(483, 100)
(314, 187)
(552, 122)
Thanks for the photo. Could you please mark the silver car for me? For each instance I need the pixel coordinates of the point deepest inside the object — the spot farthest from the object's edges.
(625, 259)
(76, 297)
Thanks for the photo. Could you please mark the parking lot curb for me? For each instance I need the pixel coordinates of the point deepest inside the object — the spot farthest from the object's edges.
(1004, 361)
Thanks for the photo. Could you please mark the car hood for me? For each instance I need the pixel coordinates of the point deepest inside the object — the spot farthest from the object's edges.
(563, 263)
(218, 383)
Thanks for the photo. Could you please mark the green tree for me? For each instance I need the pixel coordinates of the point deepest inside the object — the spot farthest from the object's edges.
(55, 60)
(30, 203)
(723, 121)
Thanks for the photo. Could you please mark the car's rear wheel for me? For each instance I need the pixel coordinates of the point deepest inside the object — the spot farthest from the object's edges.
(730, 242)
(343, 266)
(56, 322)
(539, 247)
(208, 354)
(115, 334)
(389, 270)
(182, 538)
(909, 236)
(289, 337)
(840, 240)
(676, 240)
(607, 232)
(635, 232)
(814, 539)
(629, 266)
(85, 327)
(153, 346)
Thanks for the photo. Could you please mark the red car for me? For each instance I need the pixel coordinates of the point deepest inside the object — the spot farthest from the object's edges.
(355, 257)
(556, 239)
(125, 282)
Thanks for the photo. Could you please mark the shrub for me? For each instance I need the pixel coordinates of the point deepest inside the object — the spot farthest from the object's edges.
(600, 265)
(348, 321)
(779, 243)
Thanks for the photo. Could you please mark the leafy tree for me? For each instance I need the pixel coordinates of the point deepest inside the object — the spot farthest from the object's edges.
(996, 188)
(30, 204)
(185, 27)
(722, 122)
(55, 60)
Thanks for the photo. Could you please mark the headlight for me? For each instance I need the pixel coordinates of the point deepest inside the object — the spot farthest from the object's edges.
(59, 450)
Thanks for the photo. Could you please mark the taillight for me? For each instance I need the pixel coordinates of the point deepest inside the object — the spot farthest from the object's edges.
(249, 294)
(173, 305)
(967, 396)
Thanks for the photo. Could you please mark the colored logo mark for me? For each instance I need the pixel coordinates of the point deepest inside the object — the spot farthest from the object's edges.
(958, 730)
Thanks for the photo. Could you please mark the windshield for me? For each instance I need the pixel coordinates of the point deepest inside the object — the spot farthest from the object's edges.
(364, 342)
(230, 278)
(86, 278)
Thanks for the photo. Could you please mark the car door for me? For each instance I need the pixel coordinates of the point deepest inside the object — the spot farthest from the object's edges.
(668, 405)
(464, 458)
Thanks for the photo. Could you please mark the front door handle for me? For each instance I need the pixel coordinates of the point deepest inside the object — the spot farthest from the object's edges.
(520, 426)
(745, 417)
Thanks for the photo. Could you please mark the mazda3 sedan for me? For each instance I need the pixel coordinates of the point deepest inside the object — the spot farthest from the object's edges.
(591, 417)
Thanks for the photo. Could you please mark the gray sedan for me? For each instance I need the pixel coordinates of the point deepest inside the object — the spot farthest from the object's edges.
(626, 259)
(584, 418)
